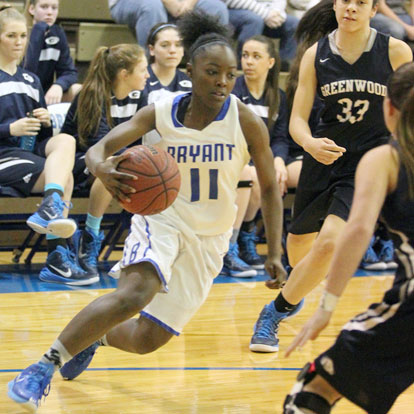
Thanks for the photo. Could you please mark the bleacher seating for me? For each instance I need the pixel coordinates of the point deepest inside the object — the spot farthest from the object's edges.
(16, 236)
(88, 25)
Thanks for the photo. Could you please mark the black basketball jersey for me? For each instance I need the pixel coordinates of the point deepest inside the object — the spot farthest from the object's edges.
(353, 94)
(398, 215)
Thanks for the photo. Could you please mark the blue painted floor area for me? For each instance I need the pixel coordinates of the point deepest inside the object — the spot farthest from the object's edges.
(22, 278)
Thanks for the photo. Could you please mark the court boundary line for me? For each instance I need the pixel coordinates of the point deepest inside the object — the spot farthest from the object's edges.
(2, 371)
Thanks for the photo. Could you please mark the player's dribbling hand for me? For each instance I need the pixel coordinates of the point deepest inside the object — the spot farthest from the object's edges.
(311, 330)
(277, 272)
(324, 150)
(113, 180)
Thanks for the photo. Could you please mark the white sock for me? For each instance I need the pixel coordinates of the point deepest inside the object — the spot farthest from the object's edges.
(57, 355)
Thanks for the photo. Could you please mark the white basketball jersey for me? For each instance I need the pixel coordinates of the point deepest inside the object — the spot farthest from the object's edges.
(210, 163)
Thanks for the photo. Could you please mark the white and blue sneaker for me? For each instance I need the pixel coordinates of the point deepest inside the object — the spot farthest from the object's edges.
(265, 338)
(248, 253)
(87, 247)
(234, 266)
(61, 267)
(49, 218)
(31, 385)
(386, 253)
(79, 362)
(371, 261)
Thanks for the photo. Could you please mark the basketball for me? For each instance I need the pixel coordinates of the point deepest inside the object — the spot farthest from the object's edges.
(158, 180)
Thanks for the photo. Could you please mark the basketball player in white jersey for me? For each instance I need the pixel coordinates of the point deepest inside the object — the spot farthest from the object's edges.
(170, 259)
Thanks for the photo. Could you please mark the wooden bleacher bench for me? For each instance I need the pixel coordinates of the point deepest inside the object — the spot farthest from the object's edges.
(93, 35)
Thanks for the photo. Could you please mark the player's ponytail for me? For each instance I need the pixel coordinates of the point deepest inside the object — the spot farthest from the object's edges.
(95, 95)
(199, 30)
(316, 23)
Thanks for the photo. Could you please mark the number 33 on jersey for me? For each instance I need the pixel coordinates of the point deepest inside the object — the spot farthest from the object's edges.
(353, 93)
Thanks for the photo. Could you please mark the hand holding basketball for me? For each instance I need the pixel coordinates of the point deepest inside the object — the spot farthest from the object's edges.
(158, 179)
(114, 180)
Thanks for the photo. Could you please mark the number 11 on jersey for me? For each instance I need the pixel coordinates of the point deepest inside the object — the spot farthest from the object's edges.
(195, 184)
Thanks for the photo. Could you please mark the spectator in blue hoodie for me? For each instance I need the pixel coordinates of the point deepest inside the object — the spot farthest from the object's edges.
(48, 54)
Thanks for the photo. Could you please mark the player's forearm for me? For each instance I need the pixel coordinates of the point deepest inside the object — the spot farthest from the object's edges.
(300, 132)
(348, 254)
(94, 156)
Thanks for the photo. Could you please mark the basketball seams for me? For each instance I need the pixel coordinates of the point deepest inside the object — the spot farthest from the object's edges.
(158, 172)
(155, 199)
(161, 174)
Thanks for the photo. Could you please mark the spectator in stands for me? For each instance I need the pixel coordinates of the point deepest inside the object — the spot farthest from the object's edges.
(298, 8)
(392, 18)
(258, 88)
(142, 15)
(268, 17)
(48, 53)
(111, 94)
(165, 52)
(31, 160)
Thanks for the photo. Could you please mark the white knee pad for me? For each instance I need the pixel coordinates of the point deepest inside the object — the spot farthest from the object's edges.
(298, 400)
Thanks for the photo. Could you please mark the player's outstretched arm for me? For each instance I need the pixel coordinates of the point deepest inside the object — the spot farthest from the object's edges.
(375, 177)
(257, 138)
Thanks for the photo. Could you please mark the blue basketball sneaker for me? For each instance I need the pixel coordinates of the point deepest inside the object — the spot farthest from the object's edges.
(31, 385)
(234, 266)
(371, 261)
(248, 253)
(79, 362)
(87, 247)
(61, 267)
(49, 218)
(265, 338)
(386, 253)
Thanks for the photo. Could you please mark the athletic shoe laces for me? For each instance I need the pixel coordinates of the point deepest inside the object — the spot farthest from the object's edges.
(233, 257)
(38, 382)
(267, 325)
(69, 256)
(387, 251)
(370, 256)
(248, 240)
(57, 205)
(92, 249)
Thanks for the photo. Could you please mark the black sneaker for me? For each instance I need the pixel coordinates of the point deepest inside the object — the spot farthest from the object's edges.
(248, 252)
(87, 247)
(234, 266)
(61, 267)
